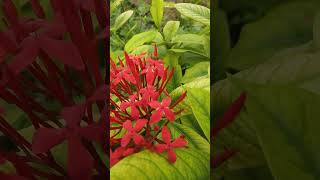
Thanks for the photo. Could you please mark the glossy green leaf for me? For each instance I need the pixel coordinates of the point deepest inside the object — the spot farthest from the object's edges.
(140, 39)
(202, 82)
(221, 43)
(146, 165)
(171, 60)
(170, 29)
(195, 12)
(198, 70)
(121, 20)
(194, 139)
(156, 10)
(286, 120)
(199, 100)
(290, 24)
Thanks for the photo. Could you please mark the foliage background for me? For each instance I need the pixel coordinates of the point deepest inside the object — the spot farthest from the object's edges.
(268, 49)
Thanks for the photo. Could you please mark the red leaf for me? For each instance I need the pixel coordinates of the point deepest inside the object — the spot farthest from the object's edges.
(64, 51)
(45, 138)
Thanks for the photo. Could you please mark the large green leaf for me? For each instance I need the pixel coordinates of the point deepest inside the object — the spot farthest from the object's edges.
(156, 10)
(199, 100)
(172, 60)
(140, 39)
(146, 165)
(194, 139)
(286, 120)
(196, 12)
(202, 82)
(221, 43)
(290, 24)
(198, 70)
(122, 19)
(170, 29)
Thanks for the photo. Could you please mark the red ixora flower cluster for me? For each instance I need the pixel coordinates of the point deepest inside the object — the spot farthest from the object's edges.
(141, 108)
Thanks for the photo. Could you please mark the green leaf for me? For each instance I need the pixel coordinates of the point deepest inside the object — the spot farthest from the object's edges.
(121, 20)
(170, 29)
(195, 12)
(171, 60)
(221, 43)
(198, 70)
(286, 120)
(199, 100)
(194, 139)
(140, 39)
(291, 25)
(188, 39)
(146, 165)
(156, 10)
(202, 82)
(115, 4)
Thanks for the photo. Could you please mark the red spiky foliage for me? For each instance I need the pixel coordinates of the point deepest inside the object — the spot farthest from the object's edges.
(56, 58)
(141, 108)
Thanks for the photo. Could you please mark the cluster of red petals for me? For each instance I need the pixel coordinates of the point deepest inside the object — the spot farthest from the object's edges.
(141, 108)
(39, 55)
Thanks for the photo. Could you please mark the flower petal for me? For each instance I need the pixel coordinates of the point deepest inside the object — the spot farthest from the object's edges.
(179, 142)
(140, 124)
(92, 132)
(172, 157)
(73, 114)
(155, 117)
(80, 162)
(127, 125)
(45, 138)
(64, 51)
(166, 102)
(125, 140)
(26, 56)
(154, 104)
(160, 148)
(138, 139)
(166, 136)
(169, 114)
(134, 112)
(100, 94)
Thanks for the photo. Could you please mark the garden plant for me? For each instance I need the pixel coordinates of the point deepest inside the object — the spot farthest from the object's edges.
(160, 89)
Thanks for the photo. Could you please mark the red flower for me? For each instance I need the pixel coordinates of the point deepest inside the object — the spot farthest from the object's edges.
(134, 104)
(117, 154)
(143, 81)
(160, 109)
(169, 146)
(132, 132)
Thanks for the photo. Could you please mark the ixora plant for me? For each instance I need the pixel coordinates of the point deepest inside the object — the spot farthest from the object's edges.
(51, 76)
(160, 110)
(138, 86)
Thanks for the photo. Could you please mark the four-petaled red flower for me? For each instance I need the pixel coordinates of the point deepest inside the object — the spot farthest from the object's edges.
(132, 132)
(169, 146)
(161, 109)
